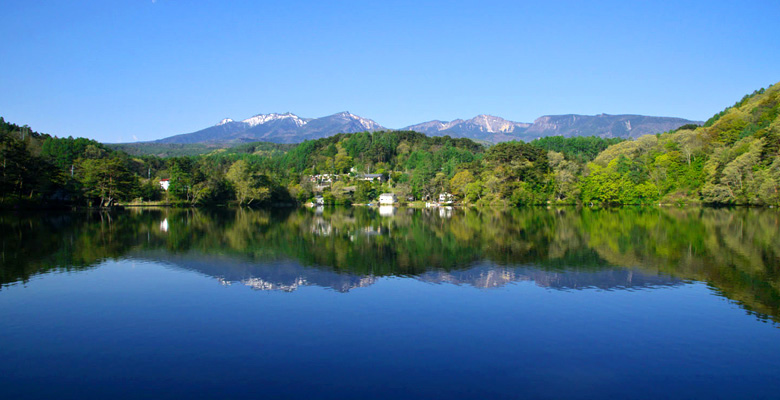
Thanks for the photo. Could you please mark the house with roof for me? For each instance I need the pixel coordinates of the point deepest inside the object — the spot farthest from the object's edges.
(165, 184)
(388, 198)
(371, 177)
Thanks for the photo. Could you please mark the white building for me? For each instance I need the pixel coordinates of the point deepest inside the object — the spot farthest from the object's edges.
(324, 178)
(387, 198)
(319, 200)
(165, 183)
(445, 198)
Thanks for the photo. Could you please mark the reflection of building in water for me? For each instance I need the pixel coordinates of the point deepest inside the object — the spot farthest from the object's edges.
(371, 231)
(321, 227)
(368, 231)
(386, 211)
(319, 210)
(445, 212)
(164, 225)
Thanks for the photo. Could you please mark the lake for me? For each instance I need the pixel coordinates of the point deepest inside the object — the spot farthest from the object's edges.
(391, 303)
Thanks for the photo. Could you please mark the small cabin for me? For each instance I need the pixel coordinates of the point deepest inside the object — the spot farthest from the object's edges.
(372, 177)
(388, 198)
(445, 198)
(165, 183)
(319, 200)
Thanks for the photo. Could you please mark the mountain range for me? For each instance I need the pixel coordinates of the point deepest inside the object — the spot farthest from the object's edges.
(277, 128)
(290, 128)
(496, 129)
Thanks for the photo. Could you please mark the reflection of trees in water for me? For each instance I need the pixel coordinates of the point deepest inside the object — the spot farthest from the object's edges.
(735, 250)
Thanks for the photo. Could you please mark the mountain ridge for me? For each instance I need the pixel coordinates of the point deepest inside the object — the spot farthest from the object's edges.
(291, 128)
(277, 128)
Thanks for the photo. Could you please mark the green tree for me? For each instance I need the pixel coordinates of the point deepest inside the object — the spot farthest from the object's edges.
(248, 185)
(460, 182)
(365, 192)
(106, 179)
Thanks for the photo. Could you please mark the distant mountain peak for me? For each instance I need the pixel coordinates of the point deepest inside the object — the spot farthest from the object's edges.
(483, 127)
(277, 127)
(367, 124)
(493, 124)
(487, 116)
(264, 118)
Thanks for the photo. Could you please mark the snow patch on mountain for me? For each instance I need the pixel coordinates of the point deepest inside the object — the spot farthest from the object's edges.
(481, 123)
(264, 118)
(366, 123)
(494, 124)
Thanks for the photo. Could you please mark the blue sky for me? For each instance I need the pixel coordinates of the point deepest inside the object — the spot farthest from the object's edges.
(124, 70)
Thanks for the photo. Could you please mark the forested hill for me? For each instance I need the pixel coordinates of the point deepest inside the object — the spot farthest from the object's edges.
(194, 149)
(732, 159)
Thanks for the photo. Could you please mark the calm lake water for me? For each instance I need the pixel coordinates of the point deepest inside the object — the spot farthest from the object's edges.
(391, 303)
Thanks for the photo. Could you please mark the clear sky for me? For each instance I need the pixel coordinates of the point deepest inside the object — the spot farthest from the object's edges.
(123, 70)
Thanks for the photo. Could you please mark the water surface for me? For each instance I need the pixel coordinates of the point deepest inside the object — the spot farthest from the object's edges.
(391, 303)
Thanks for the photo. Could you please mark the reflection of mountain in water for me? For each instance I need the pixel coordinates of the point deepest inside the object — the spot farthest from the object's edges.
(288, 275)
(487, 276)
(735, 251)
(282, 275)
